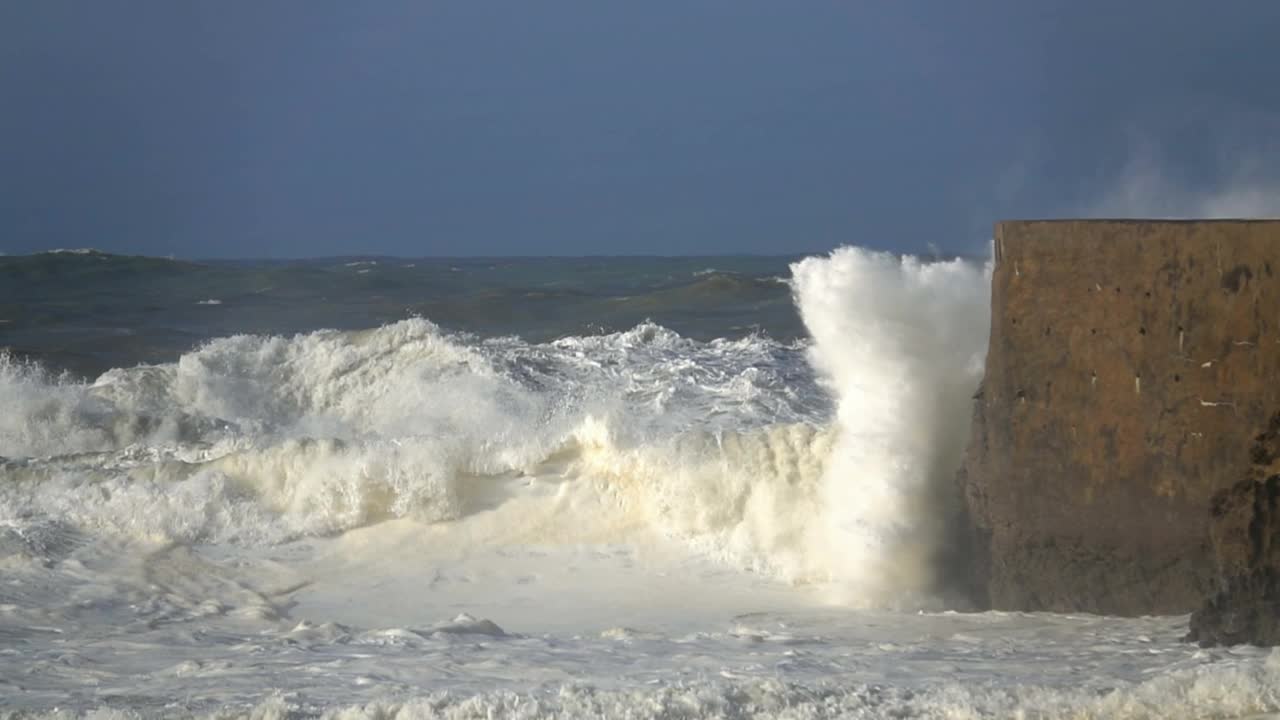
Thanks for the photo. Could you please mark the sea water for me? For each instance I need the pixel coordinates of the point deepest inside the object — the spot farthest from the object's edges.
(522, 488)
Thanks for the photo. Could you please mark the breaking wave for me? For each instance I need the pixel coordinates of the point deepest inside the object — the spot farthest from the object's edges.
(737, 446)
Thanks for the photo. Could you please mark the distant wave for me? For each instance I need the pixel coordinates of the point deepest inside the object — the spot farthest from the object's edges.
(83, 259)
(73, 251)
(710, 287)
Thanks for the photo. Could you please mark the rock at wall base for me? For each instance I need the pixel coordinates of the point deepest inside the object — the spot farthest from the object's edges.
(1247, 612)
(1245, 531)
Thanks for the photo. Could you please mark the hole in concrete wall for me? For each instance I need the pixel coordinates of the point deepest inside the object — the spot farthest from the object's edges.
(1022, 395)
(1147, 293)
(1177, 378)
(1047, 331)
(1142, 331)
(1237, 278)
(1117, 291)
(1179, 328)
(1093, 331)
(1014, 321)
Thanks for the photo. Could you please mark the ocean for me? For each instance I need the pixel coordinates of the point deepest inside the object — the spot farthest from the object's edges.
(716, 487)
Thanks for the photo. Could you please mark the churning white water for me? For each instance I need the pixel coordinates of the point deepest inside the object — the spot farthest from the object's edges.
(900, 344)
(406, 522)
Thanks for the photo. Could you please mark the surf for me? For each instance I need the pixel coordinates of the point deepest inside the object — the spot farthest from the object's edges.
(611, 522)
(815, 463)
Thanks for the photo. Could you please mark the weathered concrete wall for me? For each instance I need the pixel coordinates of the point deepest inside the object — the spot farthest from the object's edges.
(1131, 364)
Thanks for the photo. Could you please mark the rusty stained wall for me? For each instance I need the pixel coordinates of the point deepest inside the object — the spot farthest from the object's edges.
(1130, 365)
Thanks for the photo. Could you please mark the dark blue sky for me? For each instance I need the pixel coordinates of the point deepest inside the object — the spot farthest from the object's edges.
(430, 127)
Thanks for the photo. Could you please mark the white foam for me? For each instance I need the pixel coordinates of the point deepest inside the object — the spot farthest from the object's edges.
(810, 664)
(46, 415)
(1225, 692)
(1233, 691)
(331, 431)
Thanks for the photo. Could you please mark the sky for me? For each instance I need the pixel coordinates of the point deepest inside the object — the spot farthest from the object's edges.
(509, 127)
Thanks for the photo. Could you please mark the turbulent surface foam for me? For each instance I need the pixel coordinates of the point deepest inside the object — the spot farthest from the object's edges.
(1230, 691)
(816, 665)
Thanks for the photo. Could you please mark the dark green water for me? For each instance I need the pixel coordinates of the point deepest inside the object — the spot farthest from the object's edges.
(88, 312)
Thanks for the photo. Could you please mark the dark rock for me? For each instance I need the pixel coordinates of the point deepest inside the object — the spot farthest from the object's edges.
(1129, 364)
(1245, 534)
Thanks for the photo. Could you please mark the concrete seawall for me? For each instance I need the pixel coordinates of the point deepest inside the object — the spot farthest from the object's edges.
(1130, 366)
